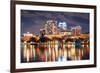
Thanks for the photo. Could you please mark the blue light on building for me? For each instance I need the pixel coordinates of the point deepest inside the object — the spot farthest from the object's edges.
(62, 25)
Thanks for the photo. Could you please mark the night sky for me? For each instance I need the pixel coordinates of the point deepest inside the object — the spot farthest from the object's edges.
(32, 20)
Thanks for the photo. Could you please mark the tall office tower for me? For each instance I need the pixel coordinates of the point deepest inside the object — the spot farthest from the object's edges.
(51, 27)
(62, 25)
(76, 31)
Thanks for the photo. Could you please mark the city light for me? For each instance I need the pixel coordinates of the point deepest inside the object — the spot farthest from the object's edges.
(53, 44)
(62, 25)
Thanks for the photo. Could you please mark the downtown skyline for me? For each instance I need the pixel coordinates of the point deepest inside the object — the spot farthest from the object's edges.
(33, 20)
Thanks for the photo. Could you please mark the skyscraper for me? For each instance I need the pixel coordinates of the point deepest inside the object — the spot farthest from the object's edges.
(51, 27)
(76, 31)
(62, 25)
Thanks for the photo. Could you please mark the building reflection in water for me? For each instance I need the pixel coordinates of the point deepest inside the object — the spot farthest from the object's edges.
(55, 44)
(56, 49)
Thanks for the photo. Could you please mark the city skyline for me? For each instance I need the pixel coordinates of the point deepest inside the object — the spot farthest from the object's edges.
(54, 36)
(32, 20)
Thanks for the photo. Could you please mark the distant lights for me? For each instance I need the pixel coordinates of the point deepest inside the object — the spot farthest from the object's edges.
(28, 34)
(62, 25)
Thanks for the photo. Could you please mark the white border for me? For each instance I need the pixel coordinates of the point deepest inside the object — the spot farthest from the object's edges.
(52, 64)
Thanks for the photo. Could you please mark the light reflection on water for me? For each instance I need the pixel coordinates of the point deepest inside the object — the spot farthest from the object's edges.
(53, 51)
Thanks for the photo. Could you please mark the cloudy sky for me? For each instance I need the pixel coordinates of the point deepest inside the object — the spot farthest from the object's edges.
(32, 20)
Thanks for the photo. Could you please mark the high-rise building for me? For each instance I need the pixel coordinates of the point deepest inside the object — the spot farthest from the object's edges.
(76, 31)
(62, 25)
(51, 27)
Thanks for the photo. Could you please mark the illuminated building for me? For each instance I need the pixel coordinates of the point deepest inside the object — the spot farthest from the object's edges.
(55, 43)
(66, 32)
(51, 27)
(76, 31)
(62, 25)
(28, 34)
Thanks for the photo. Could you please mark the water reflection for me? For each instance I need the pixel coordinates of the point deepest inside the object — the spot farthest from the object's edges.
(55, 50)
